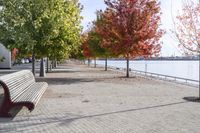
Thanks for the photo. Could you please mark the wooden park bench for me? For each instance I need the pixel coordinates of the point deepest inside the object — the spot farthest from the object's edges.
(20, 89)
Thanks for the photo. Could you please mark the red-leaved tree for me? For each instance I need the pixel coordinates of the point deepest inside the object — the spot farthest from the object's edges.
(130, 28)
(85, 47)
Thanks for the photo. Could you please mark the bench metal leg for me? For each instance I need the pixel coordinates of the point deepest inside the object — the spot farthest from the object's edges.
(29, 105)
(5, 108)
(6, 114)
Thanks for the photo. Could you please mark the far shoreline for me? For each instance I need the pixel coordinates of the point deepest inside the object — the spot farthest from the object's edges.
(113, 59)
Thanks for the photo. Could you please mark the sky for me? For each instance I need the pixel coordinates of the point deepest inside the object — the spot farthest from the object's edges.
(89, 9)
(169, 8)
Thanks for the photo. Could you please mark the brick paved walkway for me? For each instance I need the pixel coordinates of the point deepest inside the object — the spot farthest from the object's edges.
(89, 100)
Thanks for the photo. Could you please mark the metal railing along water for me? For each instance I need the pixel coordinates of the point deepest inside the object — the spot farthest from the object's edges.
(157, 75)
(165, 76)
(161, 76)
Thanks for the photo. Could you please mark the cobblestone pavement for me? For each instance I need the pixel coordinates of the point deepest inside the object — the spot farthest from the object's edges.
(90, 100)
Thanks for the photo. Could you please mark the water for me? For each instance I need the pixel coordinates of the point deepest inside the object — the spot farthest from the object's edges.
(183, 69)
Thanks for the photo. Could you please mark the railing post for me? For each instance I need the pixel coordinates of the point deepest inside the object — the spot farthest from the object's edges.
(145, 68)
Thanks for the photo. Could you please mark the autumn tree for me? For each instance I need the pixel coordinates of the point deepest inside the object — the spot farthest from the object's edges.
(130, 28)
(77, 54)
(94, 45)
(85, 47)
(96, 40)
(187, 29)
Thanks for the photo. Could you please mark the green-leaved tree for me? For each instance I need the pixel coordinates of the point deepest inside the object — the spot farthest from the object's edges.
(43, 28)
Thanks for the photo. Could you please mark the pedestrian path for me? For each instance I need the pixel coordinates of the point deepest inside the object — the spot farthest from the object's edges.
(90, 100)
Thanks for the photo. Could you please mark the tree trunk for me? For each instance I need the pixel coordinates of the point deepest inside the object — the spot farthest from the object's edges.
(50, 66)
(47, 64)
(88, 62)
(95, 63)
(42, 68)
(127, 67)
(106, 64)
(33, 63)
(56, 64)
(199, 75)
(53, 63)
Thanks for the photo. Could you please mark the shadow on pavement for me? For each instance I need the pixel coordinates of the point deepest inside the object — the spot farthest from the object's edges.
(67, 80)
(192, 99)
(62, 81)
(63, 71)
(64, 119)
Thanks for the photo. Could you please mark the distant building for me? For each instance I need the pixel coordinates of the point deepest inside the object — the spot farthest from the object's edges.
(7, 57)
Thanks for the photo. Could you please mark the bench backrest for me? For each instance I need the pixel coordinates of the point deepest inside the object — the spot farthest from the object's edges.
(17, 82)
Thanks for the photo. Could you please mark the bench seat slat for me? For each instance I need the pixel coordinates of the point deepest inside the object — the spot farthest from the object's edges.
(14, 94)
(33, 93)
(19, 81)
